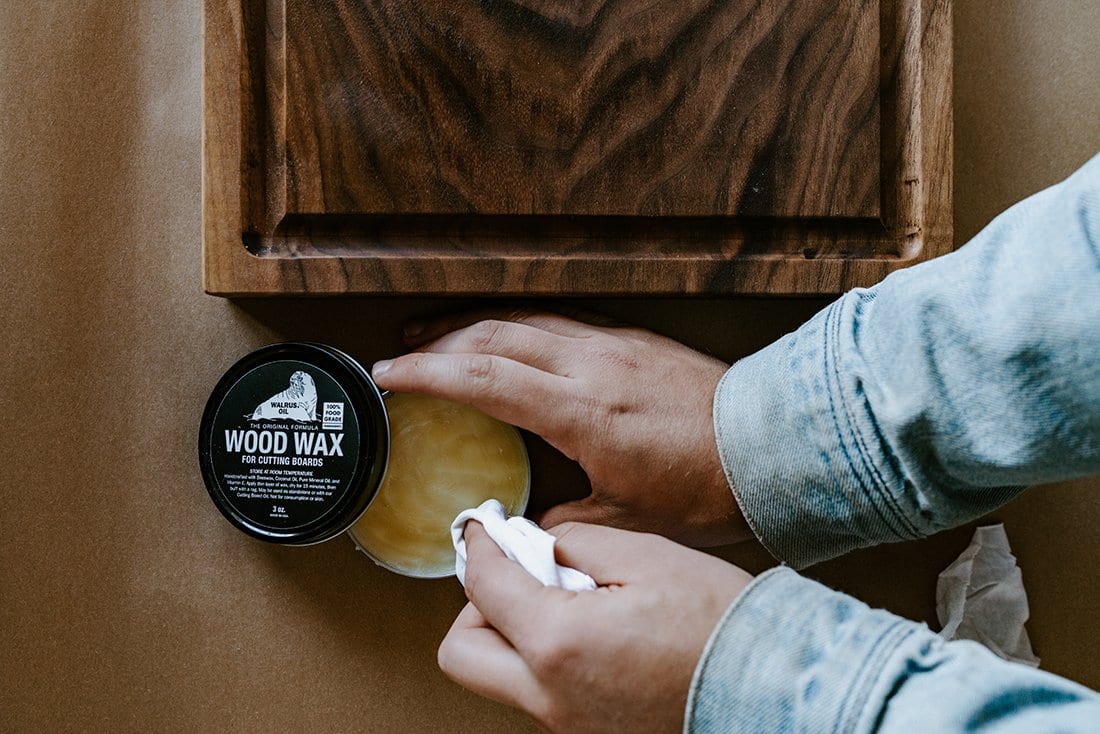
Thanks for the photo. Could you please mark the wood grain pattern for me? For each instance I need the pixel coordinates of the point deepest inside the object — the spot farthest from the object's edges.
(544, 147)
(697, 107)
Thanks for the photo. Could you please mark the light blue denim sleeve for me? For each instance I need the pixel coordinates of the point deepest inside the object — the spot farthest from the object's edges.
(898, 411)
(932, 398)
(793, 656)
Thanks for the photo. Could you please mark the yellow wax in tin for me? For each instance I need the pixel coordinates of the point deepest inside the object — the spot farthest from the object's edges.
(444, 458)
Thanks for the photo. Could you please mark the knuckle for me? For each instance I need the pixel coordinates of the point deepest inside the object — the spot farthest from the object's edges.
(485, 336)
(617, 355)
(411, 365)
(479, 368)
(520, 314)
(636, 337)
(637, 333)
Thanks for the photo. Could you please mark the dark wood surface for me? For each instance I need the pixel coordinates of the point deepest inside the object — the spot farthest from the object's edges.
(542, 147)
(625, 108)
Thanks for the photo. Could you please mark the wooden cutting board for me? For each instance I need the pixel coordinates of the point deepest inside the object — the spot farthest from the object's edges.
(562, 148)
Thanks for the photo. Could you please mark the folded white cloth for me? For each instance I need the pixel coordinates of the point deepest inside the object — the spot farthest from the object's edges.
(981, 597)
(522, 541)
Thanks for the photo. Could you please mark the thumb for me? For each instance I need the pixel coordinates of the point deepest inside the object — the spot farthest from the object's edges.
(587, 510)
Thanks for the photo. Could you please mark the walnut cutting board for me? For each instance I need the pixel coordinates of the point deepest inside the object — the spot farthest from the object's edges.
(560, 148)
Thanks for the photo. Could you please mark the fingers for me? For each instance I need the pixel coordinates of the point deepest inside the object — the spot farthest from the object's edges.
(503, 388)
(511, 600)
(520, 342)
(422, 332)
(478, 658)
(609, 555)
(587, 510)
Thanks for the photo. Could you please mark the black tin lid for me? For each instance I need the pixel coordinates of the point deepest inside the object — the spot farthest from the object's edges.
(293, 443)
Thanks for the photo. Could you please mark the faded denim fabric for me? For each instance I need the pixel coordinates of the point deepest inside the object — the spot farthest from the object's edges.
(792, 655)
(896, 412)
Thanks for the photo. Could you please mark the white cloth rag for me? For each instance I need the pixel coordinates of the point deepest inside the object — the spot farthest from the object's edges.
(981, 597)
(522, 541)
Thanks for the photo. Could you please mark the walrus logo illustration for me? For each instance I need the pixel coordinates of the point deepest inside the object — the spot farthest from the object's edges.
(297, 403)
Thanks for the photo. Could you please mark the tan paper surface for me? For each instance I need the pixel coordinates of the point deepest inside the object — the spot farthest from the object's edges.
(128, 604)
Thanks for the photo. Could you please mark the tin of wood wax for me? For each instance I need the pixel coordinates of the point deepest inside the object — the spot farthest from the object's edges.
(293, 443)
(297, 445)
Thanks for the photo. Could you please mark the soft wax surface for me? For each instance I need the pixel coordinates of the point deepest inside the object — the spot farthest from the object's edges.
(444, 458)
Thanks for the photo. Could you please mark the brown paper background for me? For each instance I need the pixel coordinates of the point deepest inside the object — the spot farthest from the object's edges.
(128, 604)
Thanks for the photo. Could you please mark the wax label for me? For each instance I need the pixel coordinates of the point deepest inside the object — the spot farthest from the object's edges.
(285, 445)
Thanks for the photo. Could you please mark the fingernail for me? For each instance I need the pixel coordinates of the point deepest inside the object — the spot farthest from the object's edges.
(414, 329)
(380, 368)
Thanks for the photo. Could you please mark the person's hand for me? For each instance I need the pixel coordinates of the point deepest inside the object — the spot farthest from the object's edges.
(620, 658)
(631, 407)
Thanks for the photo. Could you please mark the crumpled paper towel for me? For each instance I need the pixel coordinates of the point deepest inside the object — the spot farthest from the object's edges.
(981, 597)
(522, 541)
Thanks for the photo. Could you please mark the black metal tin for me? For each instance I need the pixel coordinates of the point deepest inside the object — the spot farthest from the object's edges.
(293, 443)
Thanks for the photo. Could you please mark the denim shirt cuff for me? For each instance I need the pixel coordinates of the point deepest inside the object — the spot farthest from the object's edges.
(805, 467)
(790, 654)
